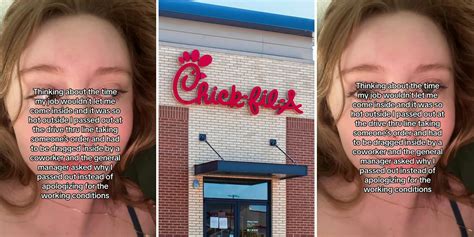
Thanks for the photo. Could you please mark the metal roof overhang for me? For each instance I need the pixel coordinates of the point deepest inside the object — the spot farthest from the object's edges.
(224, 167)
(196, 11)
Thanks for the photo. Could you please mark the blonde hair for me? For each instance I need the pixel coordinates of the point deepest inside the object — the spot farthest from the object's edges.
(455, 19)
(135, 21)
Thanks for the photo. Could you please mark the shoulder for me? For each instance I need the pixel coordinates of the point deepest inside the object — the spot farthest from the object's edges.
(466, 207)
(467, 213)
(466, 210)
(145, 210)
(146, 217)
(442, 204)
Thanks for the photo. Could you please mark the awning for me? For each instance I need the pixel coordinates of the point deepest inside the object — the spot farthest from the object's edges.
(224, 167)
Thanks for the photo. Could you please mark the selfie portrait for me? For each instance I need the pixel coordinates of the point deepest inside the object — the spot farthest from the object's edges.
(77, 118)
(395, 93)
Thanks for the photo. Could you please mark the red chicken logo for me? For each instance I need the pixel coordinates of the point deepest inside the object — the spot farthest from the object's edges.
(231, 98)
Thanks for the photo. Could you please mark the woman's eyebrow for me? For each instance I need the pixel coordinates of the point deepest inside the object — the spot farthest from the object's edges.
(42, 68)
(377, 68)
(111, 70)
(55, 69)
(363, 68)
(433, 67)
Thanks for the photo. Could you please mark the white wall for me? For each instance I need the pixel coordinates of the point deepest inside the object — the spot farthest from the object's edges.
(218, 36)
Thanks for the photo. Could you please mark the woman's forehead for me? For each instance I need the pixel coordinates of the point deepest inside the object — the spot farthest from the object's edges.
(397, 42)
(76, 44)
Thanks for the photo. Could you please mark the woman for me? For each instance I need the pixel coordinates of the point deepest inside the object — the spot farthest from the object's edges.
(100, 50)
(382, 42)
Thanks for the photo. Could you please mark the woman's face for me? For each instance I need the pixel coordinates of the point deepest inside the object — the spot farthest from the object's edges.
(393, 48)
(74, 52)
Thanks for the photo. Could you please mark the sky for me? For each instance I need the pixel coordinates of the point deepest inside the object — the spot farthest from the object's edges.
(297, 8)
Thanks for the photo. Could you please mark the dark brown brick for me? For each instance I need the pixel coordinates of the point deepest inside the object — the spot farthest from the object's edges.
(300, 191)
(173, 177)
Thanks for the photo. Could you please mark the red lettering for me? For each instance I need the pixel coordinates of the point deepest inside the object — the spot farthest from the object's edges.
(177, 76)
(223, 94)
(233, 98)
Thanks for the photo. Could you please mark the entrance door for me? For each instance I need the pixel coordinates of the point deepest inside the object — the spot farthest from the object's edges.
(236, 208)
(220, 219)
(253, 220)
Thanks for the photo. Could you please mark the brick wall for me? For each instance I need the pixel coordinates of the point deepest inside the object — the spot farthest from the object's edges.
(300, 191)
(173, 179)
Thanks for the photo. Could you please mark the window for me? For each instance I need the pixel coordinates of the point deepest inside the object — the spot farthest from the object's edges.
(248, 189)
(236, 208)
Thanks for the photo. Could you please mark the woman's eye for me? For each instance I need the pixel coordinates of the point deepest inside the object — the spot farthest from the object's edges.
(114, 95)
(44, 97)
(432, 89)
(361, 94)
(428, 90)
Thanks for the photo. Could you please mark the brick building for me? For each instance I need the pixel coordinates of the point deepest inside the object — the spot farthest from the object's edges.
(220, 172)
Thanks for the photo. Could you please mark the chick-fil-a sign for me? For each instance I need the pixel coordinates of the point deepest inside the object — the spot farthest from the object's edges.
(232, 98)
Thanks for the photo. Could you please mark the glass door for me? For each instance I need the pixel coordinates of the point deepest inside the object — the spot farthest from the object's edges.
(236, 208)
(253, 220)
(220, 219)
